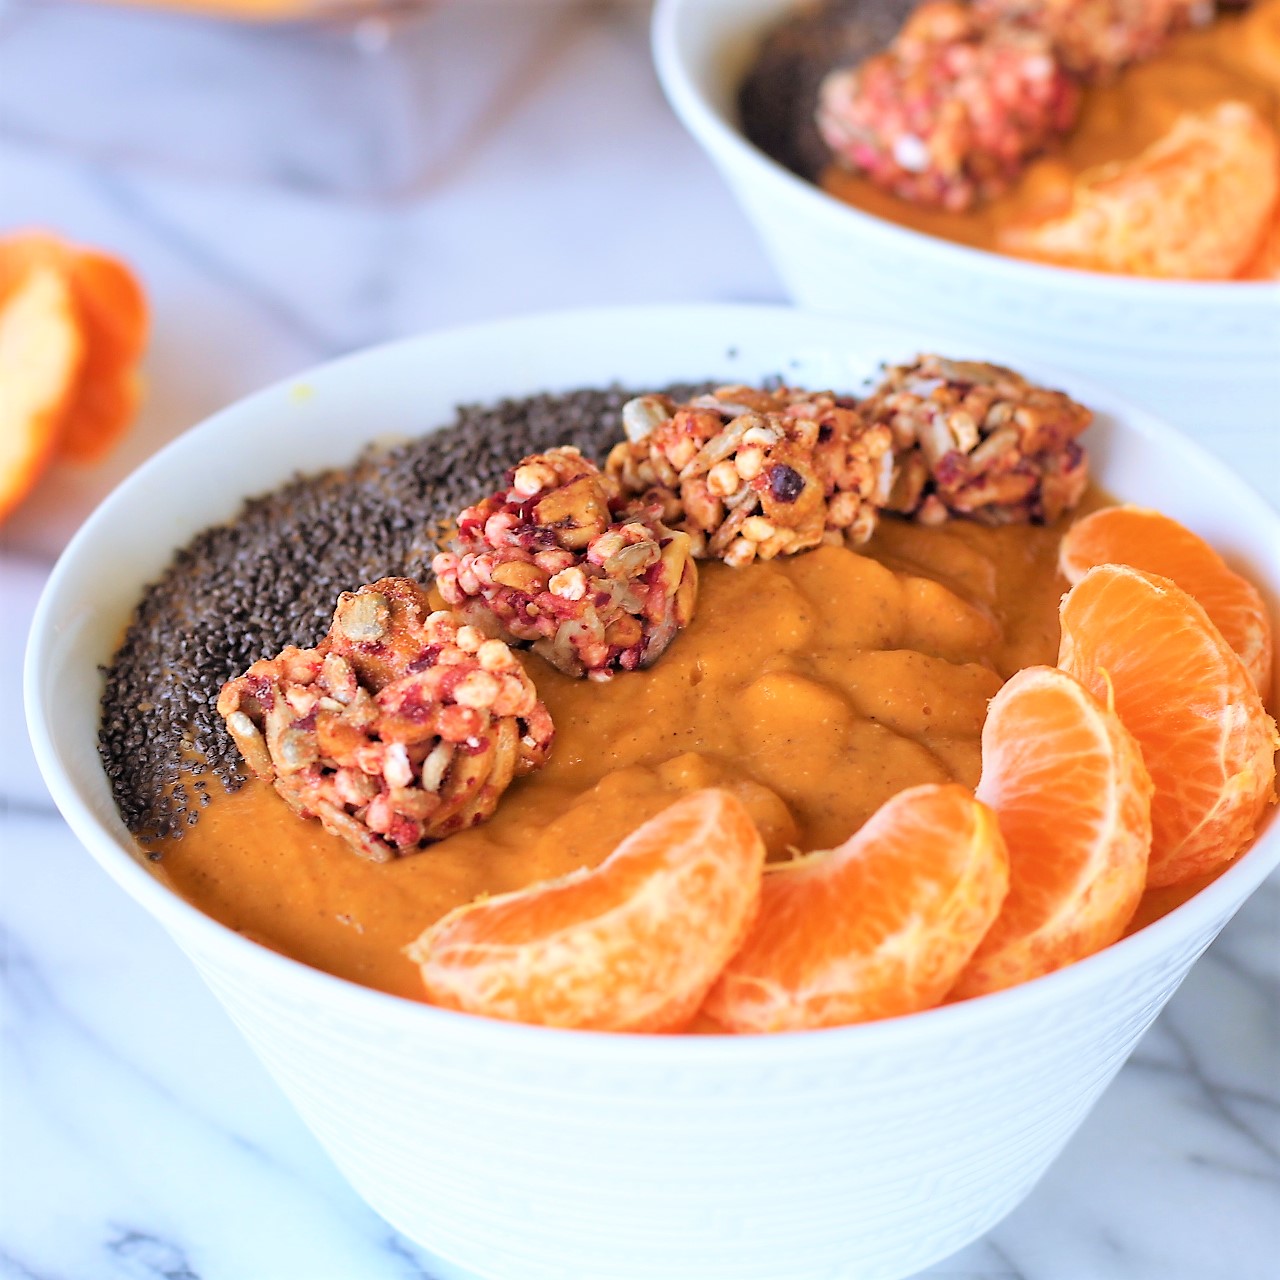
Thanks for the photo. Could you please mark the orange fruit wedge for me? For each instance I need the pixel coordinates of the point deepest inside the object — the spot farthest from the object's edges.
(111, 313)
(1182, 691)
(1157, 544)
(630, 946)
(41, 352)
(1073, 798)
(880, 926)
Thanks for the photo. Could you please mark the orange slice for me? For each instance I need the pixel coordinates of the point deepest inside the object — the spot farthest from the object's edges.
(41, 353)
(111, 313)
(631, 946)
(1196, 204)
(878, 927)
(1184, 694)
(1157, 544)
(1073, 799)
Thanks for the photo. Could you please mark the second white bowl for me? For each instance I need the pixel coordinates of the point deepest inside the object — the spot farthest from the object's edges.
(1203, 355)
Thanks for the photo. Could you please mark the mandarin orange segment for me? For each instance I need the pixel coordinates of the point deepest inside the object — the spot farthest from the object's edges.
(41, 352)
(111, 314)
(1181, 690)
(1157, 544)
(630, 946)
(879, 927)
(1195, 205)
(1073, 798)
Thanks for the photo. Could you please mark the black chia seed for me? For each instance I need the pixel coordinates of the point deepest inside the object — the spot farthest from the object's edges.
(779, 95)
(243, 590)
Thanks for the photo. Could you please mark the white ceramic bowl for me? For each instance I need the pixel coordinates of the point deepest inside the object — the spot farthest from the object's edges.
(530, 1154)
(1204, 355)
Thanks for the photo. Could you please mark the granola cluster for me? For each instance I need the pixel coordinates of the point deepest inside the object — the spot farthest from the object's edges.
(555, 560)
(1096, 38)
(402, 726)
(752, 474)
(980, 441)
(953, 110)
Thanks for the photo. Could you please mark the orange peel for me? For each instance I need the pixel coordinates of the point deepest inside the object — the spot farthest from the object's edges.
(41, 355)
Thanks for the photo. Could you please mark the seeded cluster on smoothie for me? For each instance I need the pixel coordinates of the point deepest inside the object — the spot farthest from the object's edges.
(560, 562)
(403, 725)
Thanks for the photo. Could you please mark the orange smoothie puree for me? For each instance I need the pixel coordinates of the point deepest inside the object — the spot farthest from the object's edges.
(815, 687)
(1237, 58)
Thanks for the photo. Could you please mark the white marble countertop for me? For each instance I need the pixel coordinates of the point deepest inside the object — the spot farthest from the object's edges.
(313, 191)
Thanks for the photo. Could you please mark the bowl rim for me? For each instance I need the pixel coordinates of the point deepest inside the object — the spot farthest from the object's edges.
(119, 857)
(688, 98)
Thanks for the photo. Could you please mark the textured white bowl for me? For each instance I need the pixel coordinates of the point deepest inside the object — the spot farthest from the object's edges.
(530, 1154)
(1204, 355)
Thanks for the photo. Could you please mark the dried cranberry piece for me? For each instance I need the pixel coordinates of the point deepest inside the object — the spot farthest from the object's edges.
(786, 484)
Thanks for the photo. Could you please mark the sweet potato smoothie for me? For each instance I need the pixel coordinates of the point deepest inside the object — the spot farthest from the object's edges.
(815, 687)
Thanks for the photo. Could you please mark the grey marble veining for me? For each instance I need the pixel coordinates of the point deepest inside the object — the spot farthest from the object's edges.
(475, 161)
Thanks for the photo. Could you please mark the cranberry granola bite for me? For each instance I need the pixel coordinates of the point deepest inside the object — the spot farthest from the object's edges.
(751, 474)
(952, 111)
(1096, 38)
(402, 726)
(551, 561)
(980, 441)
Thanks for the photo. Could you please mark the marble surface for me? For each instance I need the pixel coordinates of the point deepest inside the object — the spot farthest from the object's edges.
(289, 195)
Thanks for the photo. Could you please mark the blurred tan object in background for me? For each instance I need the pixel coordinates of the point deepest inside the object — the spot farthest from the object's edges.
(266, 10)
(350, 98)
